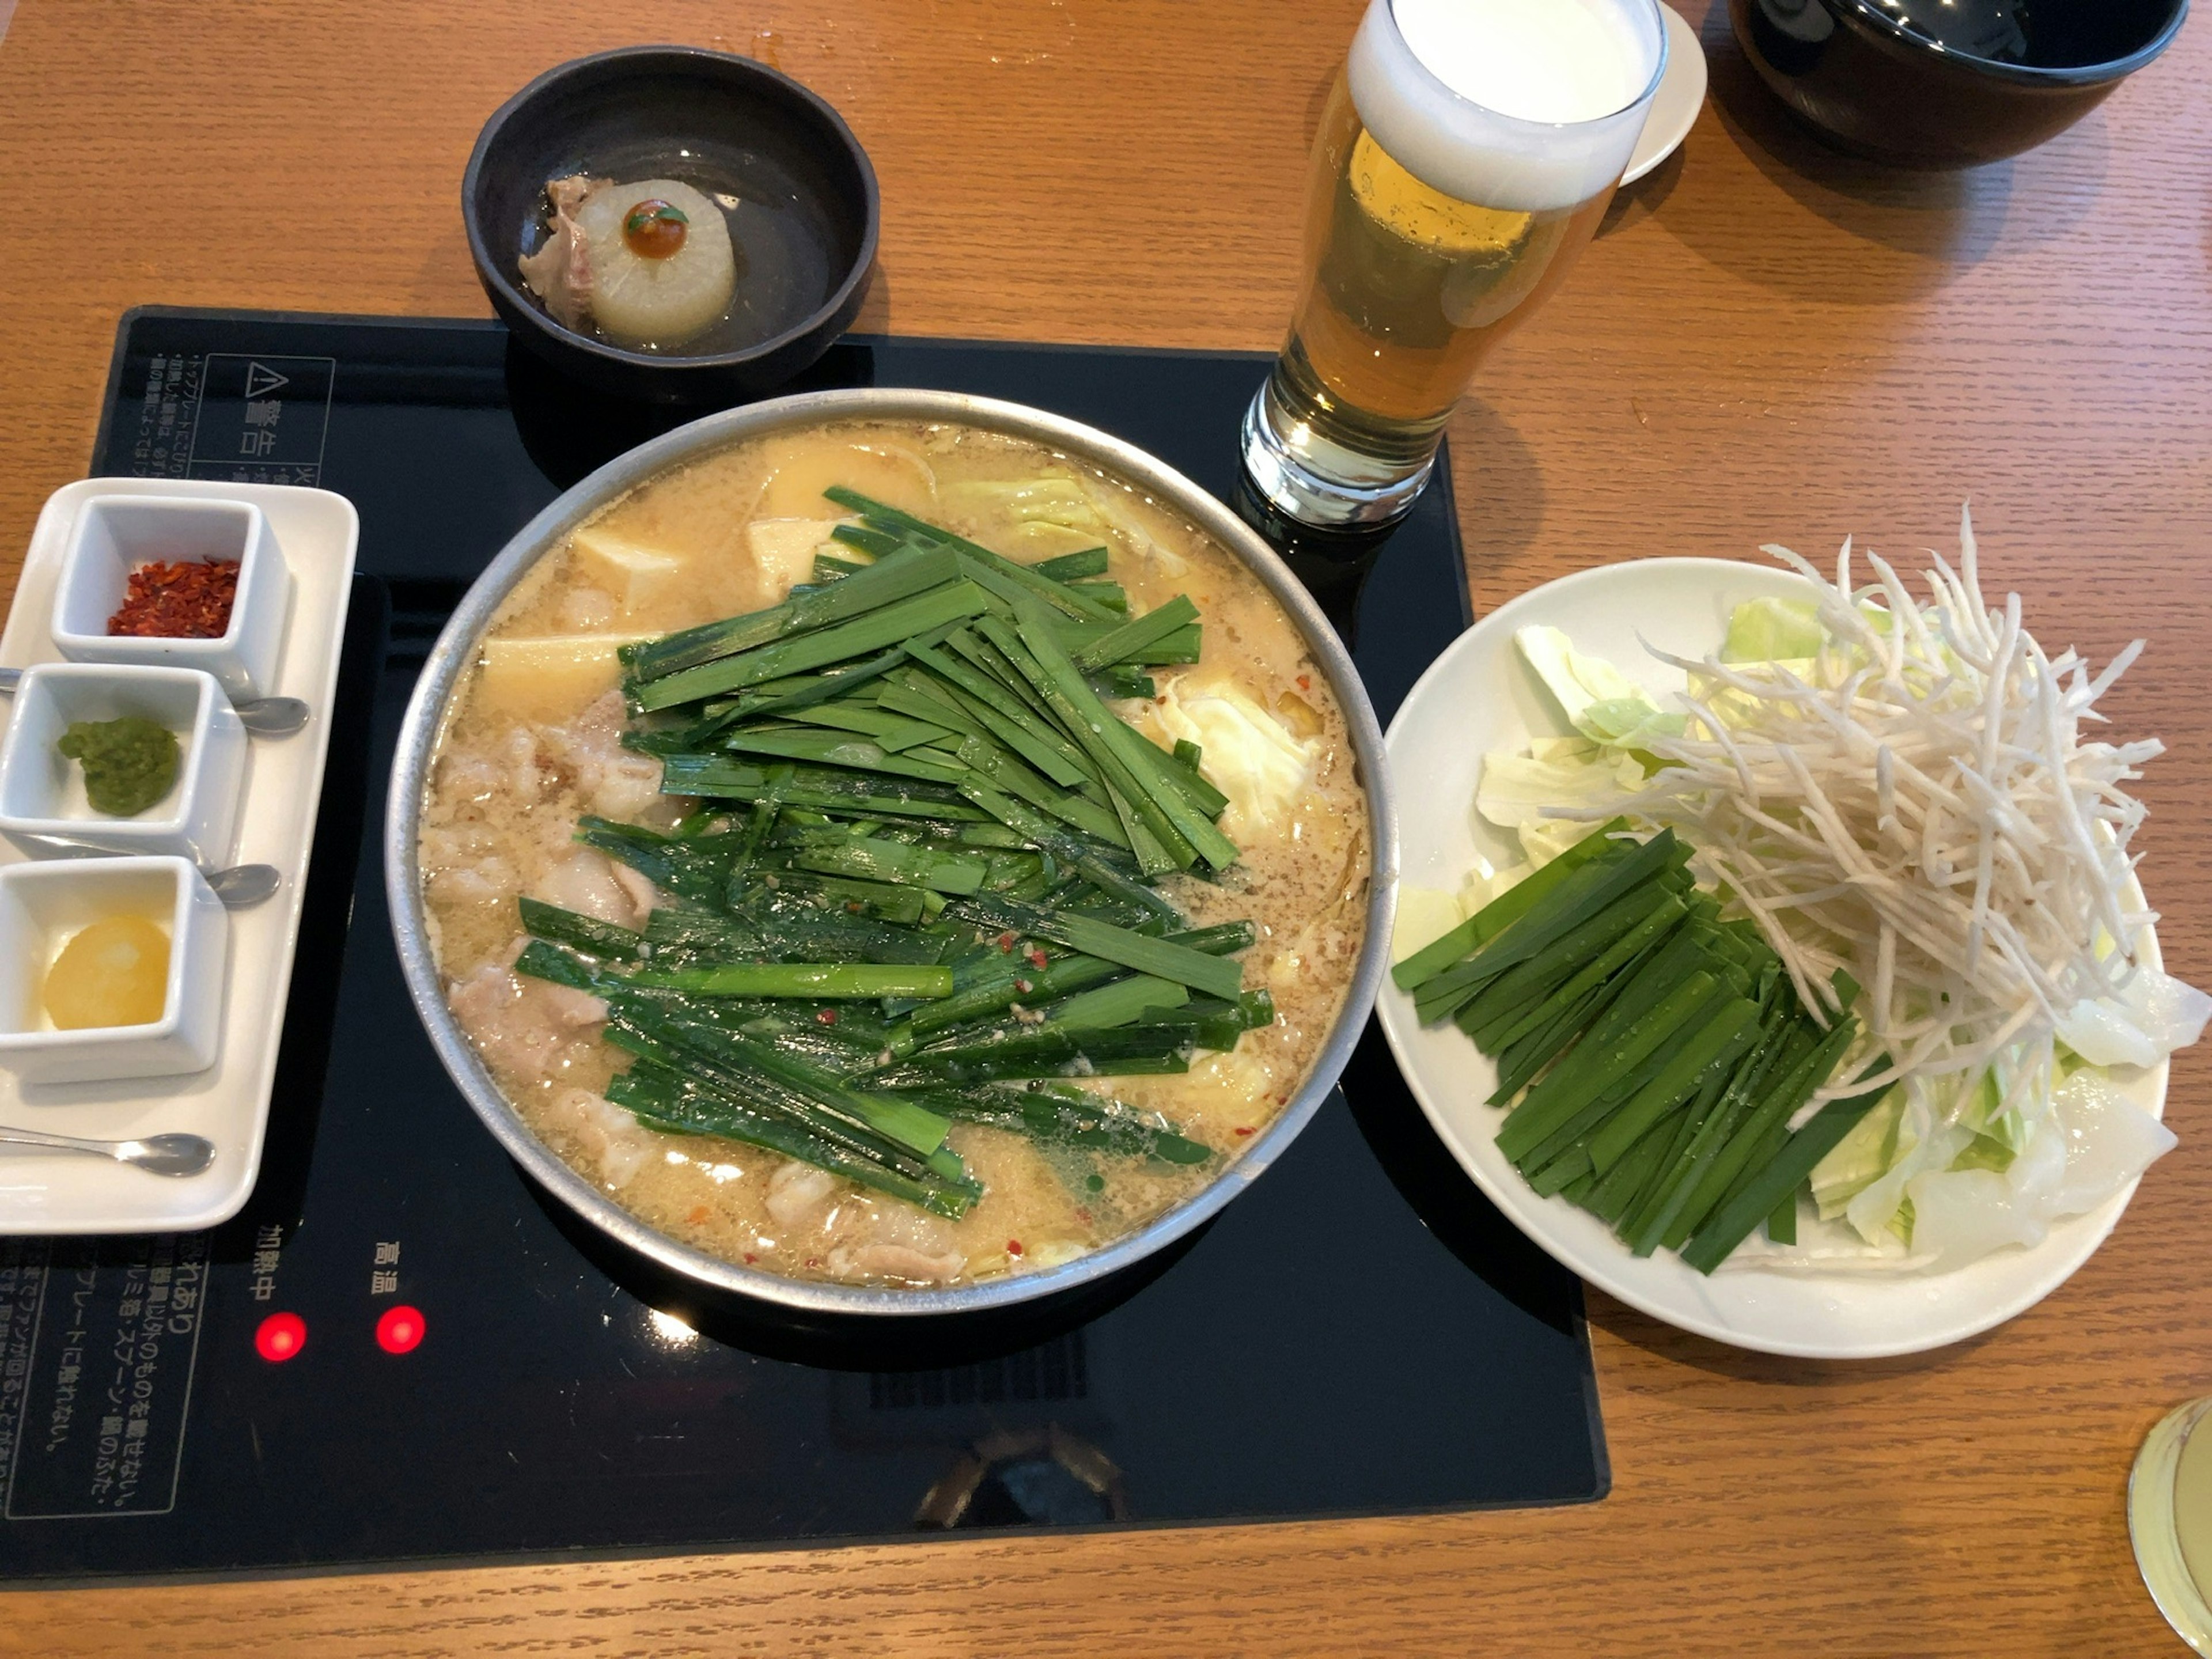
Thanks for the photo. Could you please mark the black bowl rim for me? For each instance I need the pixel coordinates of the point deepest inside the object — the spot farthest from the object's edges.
(489, 270)
(2026, 75)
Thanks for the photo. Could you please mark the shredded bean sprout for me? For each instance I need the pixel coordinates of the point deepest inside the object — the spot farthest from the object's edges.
(1918, 807)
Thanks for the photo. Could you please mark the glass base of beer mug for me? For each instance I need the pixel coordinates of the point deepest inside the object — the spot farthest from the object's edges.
(1306, 476)
(2170, 1519)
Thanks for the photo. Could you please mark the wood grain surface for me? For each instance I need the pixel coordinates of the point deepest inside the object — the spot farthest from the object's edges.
(1768, 342)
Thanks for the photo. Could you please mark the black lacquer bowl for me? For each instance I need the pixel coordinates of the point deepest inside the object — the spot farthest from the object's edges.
(804, 222)
(1948, 84)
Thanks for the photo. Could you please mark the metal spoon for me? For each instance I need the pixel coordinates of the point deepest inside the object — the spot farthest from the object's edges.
(166, 1155)
(240, 886)
(272, 717)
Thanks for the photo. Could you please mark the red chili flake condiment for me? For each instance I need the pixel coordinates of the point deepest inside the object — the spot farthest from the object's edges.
(751, 1258)
(1035, 955)
(1013, 1247)
(1244, 1132)
(1305, 682)
(826, 1016)
(190, 599)
(1006, 942)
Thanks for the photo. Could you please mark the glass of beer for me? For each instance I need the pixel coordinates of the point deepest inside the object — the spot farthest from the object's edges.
(1467, 151)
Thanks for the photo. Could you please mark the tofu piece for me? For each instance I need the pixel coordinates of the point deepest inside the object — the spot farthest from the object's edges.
(783, 552)
(633, 575)
(885, 473)
(534, 678)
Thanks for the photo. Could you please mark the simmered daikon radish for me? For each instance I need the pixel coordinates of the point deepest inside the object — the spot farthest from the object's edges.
(662, 267)
(650, 263)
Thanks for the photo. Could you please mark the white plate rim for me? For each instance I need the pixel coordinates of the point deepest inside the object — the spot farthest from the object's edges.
(1657, 1286)
(1686, 65)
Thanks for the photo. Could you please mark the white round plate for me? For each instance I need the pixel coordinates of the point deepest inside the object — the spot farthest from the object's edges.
(1675, 107)
(1478, 697)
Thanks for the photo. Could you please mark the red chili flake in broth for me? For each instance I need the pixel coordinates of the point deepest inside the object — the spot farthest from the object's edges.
(751, 1258)
(1006, 942)
(1305, 682)
(1244, 1132)
(698, 1216)
(1013, 1247)
(1036, 956)
(190, 599)
(825, 1016)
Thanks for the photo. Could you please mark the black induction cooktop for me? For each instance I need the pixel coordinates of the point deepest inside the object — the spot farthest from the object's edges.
(401, 1351)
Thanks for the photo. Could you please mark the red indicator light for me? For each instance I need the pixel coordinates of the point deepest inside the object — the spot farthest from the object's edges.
(280, 1336)
(400, 1330)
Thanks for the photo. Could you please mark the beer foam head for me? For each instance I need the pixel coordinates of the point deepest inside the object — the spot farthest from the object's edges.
(1531, 104)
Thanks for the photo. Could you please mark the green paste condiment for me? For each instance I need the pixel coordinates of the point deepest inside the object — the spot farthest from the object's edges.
(129, 763)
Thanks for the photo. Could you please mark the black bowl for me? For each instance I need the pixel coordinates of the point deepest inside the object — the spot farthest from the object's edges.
(1947, 84)
(805, 225)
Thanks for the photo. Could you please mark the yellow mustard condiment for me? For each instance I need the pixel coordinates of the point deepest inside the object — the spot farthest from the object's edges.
(116, 972)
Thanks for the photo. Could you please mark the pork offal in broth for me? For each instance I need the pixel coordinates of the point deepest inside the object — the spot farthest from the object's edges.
(869, 945)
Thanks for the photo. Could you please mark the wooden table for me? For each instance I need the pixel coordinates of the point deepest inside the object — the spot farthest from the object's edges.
(1768, 342)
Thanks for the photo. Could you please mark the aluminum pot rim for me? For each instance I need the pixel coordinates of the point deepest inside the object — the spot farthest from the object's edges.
(455, 650)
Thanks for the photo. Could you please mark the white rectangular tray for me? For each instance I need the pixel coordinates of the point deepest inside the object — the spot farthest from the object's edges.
(58, 1192)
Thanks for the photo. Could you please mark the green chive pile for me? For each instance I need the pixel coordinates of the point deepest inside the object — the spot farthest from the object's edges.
(922, 886)
(1652, 1055)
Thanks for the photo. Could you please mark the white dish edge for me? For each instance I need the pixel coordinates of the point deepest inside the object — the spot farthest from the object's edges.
(47, 1193)
(1675, 109)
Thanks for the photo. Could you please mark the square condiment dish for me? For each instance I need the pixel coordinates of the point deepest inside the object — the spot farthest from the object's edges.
(42, 791)
(113, 535)
(43, 905)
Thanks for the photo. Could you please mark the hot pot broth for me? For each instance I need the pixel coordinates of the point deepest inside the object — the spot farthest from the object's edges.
(534, 744)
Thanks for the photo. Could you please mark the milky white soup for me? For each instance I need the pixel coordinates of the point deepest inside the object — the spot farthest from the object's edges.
(532, 742)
